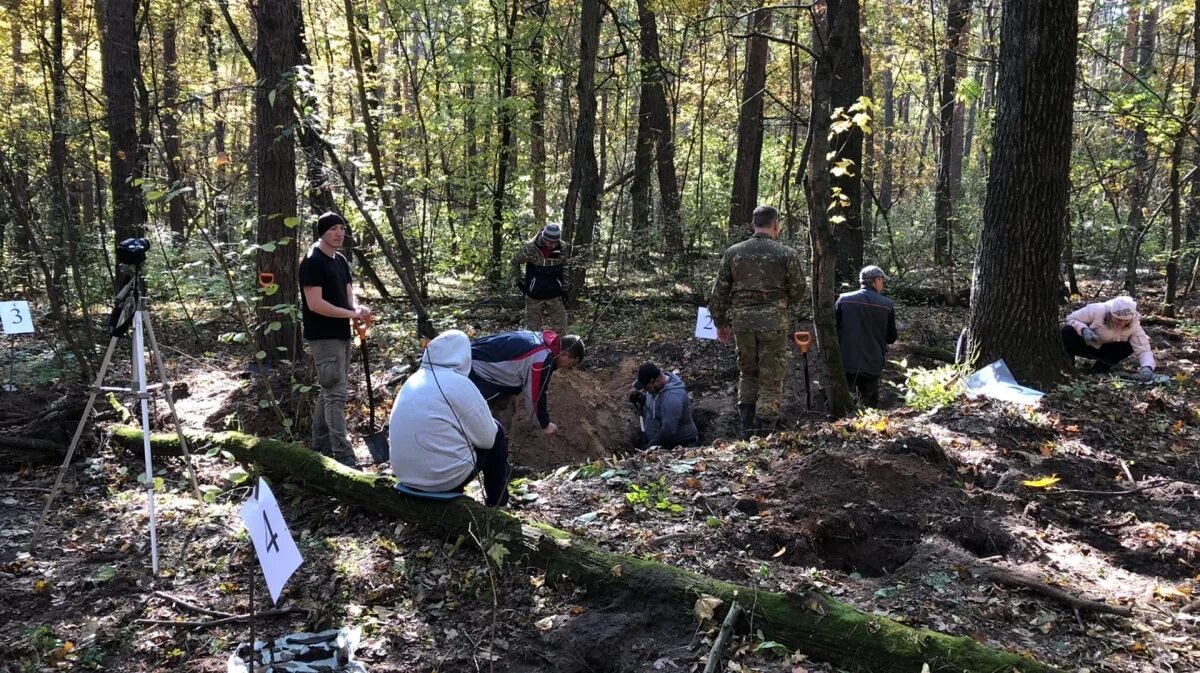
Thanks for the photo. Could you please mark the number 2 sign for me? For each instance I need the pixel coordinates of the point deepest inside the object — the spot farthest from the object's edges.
(16, 318)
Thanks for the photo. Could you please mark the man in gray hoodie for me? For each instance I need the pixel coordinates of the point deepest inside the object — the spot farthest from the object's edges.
(441, 430)
(665, 408)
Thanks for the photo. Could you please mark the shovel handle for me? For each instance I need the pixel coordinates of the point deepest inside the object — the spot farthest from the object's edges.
(803, 340)
(361, 326)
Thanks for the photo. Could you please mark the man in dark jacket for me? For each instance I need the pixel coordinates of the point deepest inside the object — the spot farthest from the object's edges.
(866, 323)
(537, 271)
(511, 364)
(666, 411)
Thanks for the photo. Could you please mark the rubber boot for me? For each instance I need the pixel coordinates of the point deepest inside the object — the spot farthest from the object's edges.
(766, 425)
(746, 418)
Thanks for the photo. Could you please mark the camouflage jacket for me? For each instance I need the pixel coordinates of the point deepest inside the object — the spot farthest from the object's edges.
(758, 280)
(541, 276)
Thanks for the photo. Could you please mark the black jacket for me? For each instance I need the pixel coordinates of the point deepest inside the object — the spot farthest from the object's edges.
(866, 325)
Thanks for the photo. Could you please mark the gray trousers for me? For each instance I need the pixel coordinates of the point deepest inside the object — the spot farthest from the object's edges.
(329, 434)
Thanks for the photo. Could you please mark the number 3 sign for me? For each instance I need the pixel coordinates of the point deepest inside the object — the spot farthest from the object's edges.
(15, 315)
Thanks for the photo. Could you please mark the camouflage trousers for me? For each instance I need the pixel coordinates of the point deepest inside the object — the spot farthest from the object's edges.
(762, 362)
(546, 314)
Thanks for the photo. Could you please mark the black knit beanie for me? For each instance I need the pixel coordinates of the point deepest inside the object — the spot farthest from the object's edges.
(328, 220)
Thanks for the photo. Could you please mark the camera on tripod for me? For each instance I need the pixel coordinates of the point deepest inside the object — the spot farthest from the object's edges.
(132, 251)
(131, 255)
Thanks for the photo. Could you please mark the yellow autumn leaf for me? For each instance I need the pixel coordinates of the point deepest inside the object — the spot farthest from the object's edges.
(40, 585)
(706, 607)
(1042, 482)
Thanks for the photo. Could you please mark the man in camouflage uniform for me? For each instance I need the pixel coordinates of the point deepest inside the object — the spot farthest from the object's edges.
(758, 281)
(537, 271)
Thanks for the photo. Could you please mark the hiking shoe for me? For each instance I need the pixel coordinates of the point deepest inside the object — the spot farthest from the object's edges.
(350, 461)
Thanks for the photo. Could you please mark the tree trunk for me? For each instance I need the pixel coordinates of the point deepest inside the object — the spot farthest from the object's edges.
(818, 189)
(1176, 196)
(275, 58)
(172, 146)
(750, 127)
(812, 622)
(585, 173)
(1139, 189)
(886, 175)
(1014, 302)
(845, 51)
(867, 174)
(949, 156)
(537, 117)
(641, 198)
(221, 156)
(121, 61)
(1193, 217)
(507, 140)
(658, 112)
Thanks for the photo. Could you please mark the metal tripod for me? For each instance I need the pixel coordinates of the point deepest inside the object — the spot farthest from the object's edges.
(133, 298)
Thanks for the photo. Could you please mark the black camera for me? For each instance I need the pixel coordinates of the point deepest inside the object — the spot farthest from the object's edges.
(132, 251)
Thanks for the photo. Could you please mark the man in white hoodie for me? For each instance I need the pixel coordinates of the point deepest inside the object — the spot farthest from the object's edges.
(441, 430)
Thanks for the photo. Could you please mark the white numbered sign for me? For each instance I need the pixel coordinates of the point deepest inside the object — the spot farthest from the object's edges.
(16, 317)
(277, 552)
(705, 329)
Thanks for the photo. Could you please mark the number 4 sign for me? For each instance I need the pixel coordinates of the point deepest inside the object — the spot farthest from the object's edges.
(277, 552)
(15, 315)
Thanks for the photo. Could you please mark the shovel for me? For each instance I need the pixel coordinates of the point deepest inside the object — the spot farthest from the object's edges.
(803, 341)
(376, 440)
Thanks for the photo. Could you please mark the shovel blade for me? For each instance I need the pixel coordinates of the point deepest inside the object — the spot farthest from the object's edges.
(379, 446)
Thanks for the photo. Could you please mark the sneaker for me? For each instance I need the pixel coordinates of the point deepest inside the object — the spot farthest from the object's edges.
(350, 461)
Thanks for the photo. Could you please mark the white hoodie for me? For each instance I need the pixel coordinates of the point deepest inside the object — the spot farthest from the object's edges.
(439, 418)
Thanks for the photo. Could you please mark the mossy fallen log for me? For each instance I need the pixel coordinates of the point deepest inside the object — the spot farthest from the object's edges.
(813, 623)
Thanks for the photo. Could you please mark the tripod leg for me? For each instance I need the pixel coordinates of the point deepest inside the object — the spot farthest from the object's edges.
(87, 410)
(166, 386)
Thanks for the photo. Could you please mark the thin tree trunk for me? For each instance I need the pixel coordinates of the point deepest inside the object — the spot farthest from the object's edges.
(1139, 190)
(949, 156)
(744, 198)
(585, 178)
(176, 217)
(507, 139)
(1014, 307)
(121, 63)
(275, 58)
(537, 118)
(845, 48)
(886, 178)
(1193, 217)
(818, 189)
(658, 112)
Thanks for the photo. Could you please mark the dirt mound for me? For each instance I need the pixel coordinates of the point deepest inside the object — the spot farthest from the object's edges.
(862, 511)
(593, 416)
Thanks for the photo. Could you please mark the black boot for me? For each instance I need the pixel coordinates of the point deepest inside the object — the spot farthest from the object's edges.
(746, 418)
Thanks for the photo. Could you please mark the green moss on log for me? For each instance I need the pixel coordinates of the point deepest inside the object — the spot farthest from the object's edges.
(814, 623)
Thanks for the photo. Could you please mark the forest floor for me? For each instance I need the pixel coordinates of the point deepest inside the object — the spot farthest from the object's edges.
(904, 513)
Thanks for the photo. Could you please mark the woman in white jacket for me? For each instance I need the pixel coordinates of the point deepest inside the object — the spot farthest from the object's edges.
(442, 433)
(1109, 332)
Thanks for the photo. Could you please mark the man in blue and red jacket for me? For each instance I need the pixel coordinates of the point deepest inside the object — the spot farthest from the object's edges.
(520, 363)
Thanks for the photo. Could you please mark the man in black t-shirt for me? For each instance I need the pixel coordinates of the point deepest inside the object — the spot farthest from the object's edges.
(328, 305)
